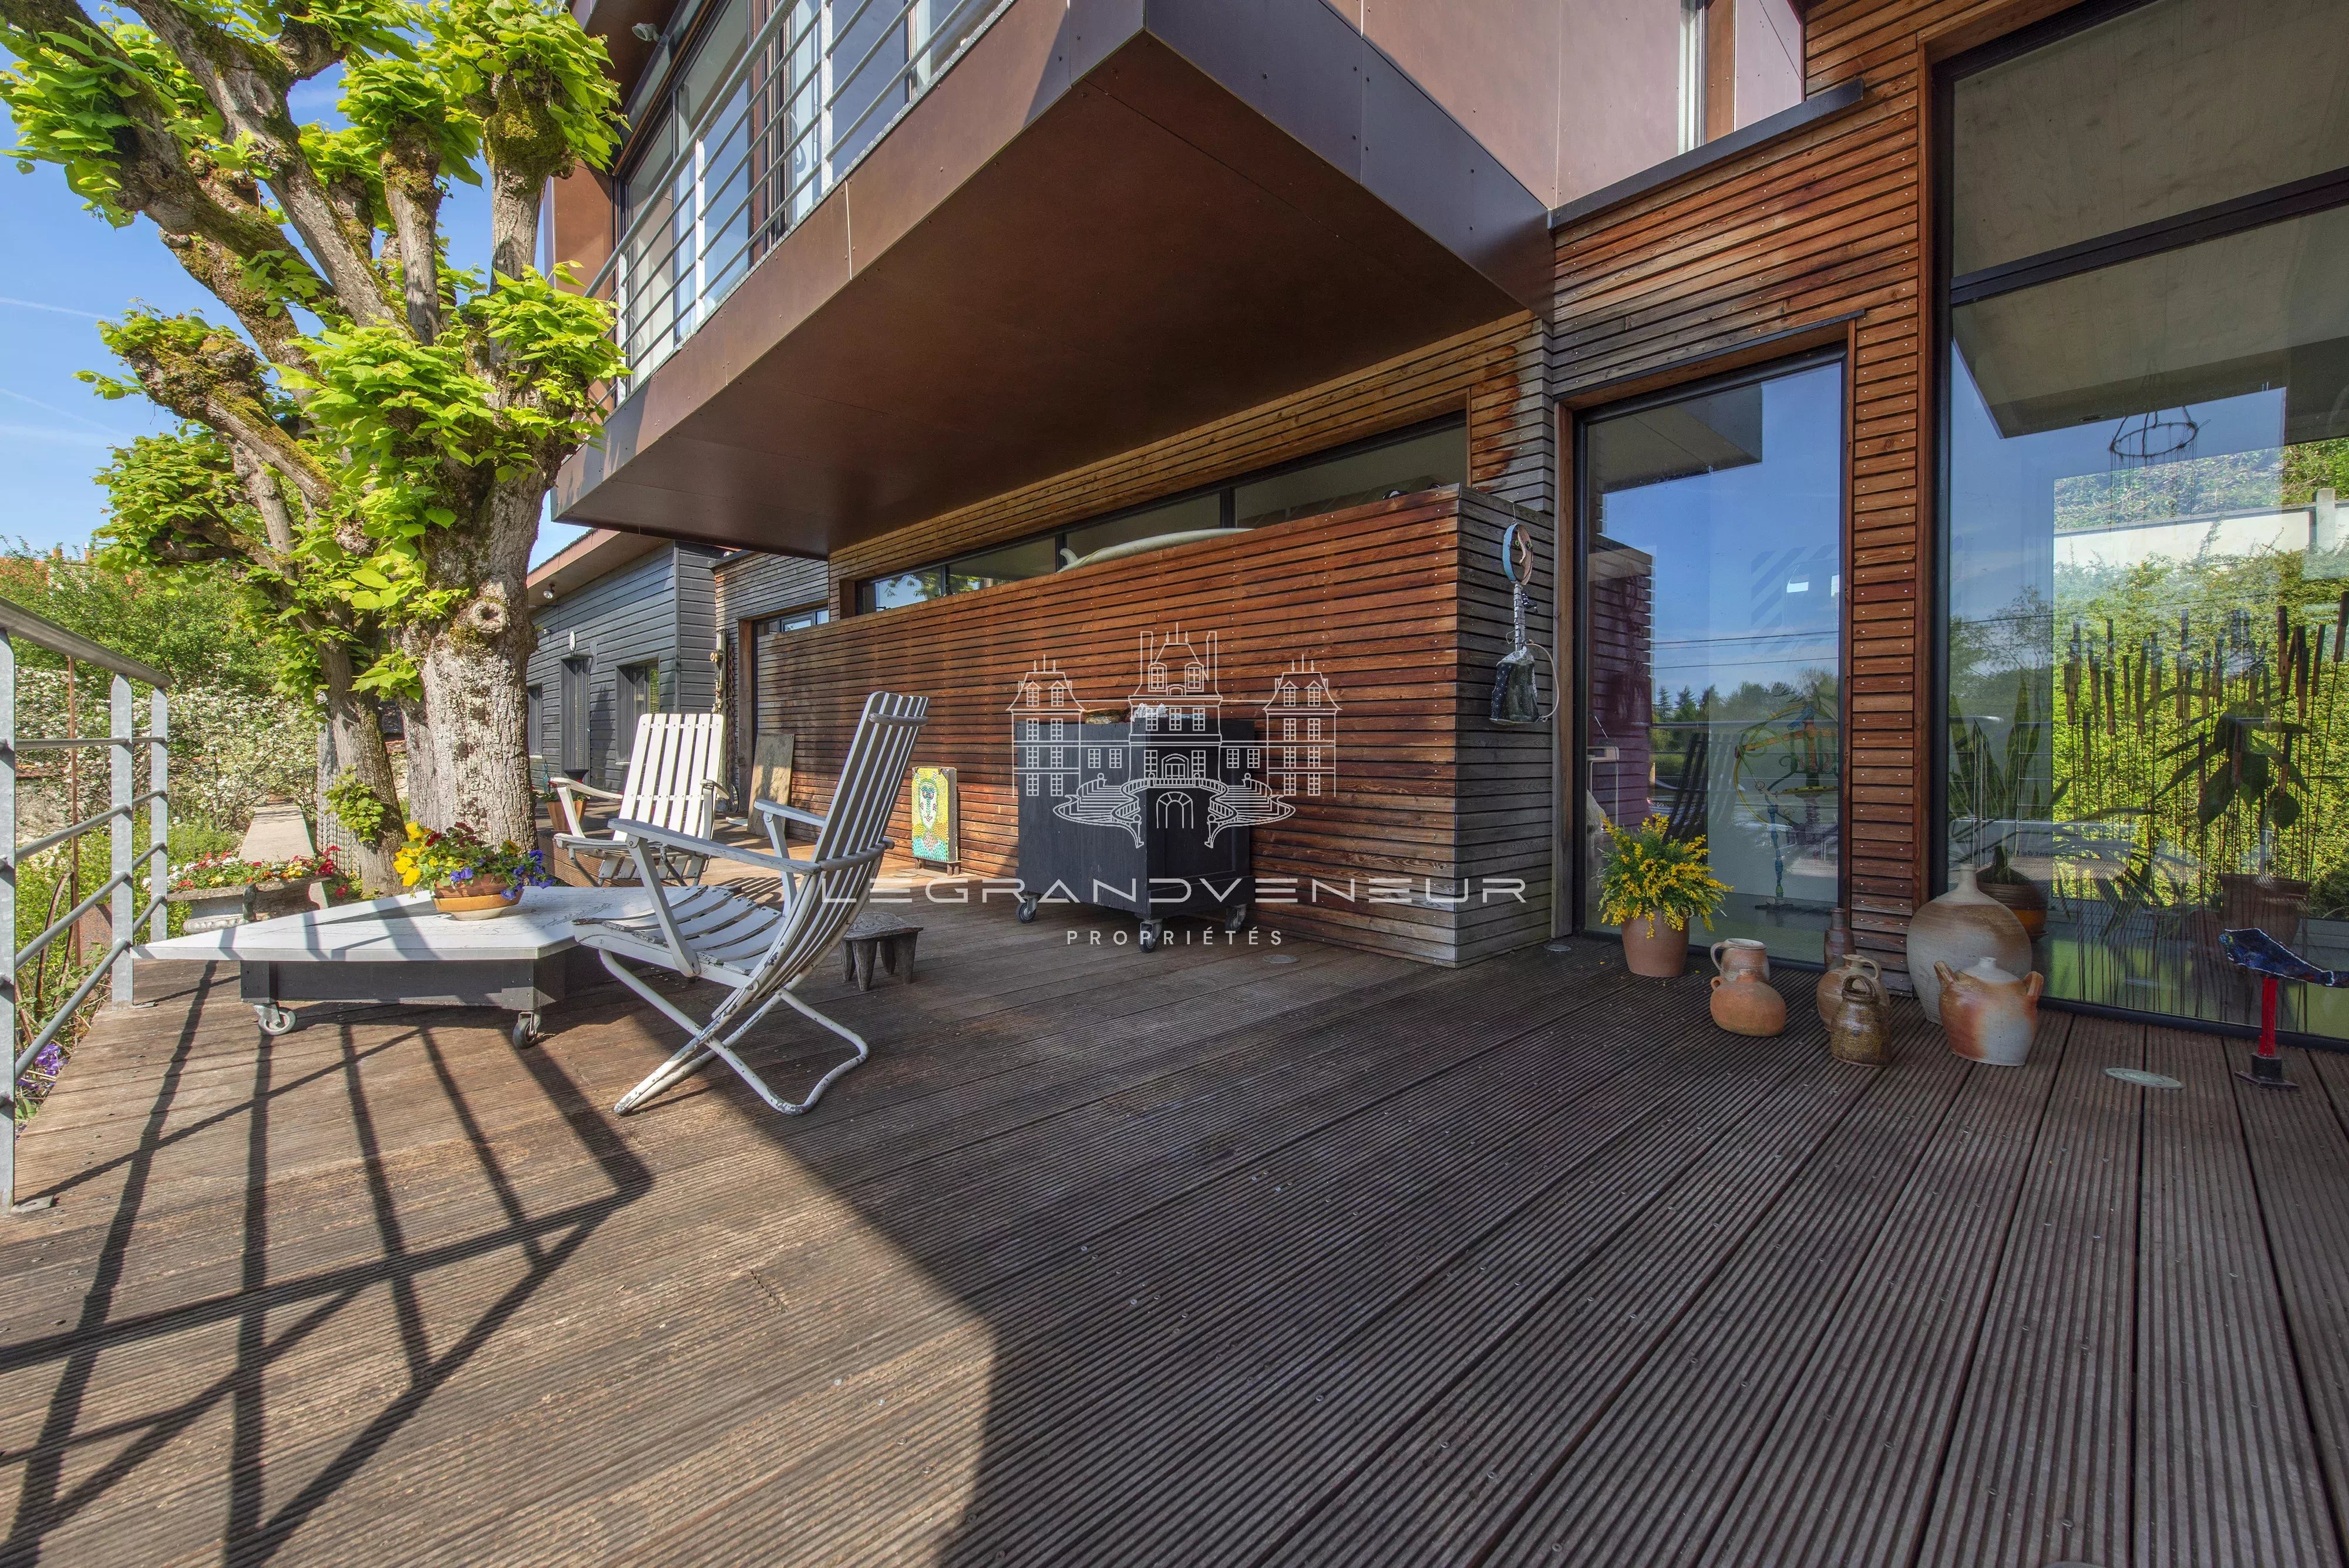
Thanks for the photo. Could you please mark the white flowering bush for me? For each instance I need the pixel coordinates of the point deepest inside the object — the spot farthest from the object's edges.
(231, 749)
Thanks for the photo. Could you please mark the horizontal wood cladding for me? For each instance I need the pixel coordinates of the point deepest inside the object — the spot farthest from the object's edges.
(1828, 223)
(1493, 374)
(1400, 604)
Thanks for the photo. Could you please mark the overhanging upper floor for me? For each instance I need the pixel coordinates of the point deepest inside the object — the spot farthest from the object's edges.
(1108, 222)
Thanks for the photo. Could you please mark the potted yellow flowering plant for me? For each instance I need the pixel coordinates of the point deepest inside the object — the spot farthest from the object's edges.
(1655, 886)
(471, 879)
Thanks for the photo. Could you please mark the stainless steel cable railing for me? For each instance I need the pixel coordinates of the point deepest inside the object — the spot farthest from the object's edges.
(752, 137)
(120, 816)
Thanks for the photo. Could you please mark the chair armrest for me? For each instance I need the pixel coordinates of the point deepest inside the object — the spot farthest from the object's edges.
(564, 781)
(669, 839)
(790, 813)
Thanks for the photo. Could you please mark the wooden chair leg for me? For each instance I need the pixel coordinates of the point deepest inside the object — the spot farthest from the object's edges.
(907, 944)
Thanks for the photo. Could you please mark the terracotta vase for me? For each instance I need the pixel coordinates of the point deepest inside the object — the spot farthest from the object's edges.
(1989, 1014)
(1830, 992)
(1655, 946)
(1960, 929)
(482, 898)
(1858, 1031)
(1735, 956)
(1746, 1004)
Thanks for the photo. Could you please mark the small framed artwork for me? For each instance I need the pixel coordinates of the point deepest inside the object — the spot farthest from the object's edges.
(937, 825)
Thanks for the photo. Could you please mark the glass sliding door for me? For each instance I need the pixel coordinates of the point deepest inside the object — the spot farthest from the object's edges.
(2147, 444)
(1713, 594)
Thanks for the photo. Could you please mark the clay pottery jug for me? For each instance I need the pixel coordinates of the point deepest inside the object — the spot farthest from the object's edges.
(1655, 946)
(1837, 943)
(1741, 955)
(2018, 893)
(1960, 929)
(1857, 1032)
(1990, 1014)
(1746, 1004)
(1831, 984)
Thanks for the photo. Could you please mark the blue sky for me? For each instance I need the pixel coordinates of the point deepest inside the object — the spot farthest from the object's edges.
(61, 269)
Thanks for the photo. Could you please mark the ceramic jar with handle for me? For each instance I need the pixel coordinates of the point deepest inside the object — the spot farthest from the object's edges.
(1960, 929)
(1856, 1031)
(1746, 1004)
(1741, 955)
(1990, 1014)
(1831, 984)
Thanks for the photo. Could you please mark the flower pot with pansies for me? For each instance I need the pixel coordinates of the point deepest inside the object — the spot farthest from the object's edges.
(469, 877)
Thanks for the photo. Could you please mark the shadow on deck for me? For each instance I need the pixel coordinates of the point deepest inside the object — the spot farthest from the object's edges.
(1184, 1257)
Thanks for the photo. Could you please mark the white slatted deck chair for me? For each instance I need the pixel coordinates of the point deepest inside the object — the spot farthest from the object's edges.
(672, 785)
(761, 950)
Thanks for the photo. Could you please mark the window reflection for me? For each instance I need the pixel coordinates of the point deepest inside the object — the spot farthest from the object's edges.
(1713, 587)
(2149, 595)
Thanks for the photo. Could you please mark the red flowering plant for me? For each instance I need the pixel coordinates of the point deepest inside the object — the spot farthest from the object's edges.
(453, 861)
(226, 870)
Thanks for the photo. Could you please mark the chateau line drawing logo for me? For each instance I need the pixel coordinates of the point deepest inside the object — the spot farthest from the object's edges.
(1181, 738)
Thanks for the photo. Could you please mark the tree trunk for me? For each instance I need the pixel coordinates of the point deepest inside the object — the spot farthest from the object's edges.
(470, 763)
(359, 749)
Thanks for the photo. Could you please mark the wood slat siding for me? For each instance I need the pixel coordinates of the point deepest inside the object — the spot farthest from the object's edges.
(1401, 603)
(1827, 223)
(751, 587)
(659, 610)
(1494, 374)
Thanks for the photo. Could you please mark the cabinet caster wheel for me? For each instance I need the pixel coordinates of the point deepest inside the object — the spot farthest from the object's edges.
(274, 1020)
(1150, 937)
(1027, 911)
(1235, 920)
(525, 1029)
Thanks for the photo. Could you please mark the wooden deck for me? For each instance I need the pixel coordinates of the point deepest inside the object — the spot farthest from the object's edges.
(1187, 1258)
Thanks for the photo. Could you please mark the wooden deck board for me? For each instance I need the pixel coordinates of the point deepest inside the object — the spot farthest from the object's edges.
(1181, 1258)
(2037, 1469)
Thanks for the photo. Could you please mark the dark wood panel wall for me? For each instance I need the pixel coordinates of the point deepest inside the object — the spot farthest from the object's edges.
(1825, 230)
(1401, 604)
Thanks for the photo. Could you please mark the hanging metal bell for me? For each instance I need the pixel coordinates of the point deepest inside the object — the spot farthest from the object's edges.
(1515, 700)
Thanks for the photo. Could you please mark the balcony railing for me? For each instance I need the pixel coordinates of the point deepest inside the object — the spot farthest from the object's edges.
(120, 816)
(776, 102)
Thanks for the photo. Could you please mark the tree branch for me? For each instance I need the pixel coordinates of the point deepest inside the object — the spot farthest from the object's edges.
(245, 84)
(412, 189)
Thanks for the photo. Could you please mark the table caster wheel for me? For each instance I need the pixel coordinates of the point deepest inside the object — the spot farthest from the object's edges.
(1235, 920)
(525, 1029)
(1027, 911)
(275, 1020)
(1152, 933)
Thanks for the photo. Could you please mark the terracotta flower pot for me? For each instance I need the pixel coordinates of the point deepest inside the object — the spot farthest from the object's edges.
(1655, 946)
(1746, 1004)
(1990, 1014)
(478, 898)
(1960, 929)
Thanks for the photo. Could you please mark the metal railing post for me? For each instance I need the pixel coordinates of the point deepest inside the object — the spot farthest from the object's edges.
(159, 813)
(9, 921)
(126, 896)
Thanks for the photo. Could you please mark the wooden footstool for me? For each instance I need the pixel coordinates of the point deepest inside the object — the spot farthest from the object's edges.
(886, 937)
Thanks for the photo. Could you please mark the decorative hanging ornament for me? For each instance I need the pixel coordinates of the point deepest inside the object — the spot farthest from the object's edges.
(1517, 682)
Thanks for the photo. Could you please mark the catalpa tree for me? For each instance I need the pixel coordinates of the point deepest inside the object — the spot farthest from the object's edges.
(369, 450)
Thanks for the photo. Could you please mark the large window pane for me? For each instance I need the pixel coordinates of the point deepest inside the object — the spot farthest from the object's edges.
(1713, 587)
(1405, 468)
(2149, 594)
(2163, 109)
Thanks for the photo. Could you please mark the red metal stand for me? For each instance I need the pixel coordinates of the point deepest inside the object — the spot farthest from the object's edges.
(2267, 1065)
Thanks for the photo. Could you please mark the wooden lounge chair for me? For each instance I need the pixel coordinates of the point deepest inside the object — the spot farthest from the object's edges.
(672, 785)
(760, 949)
